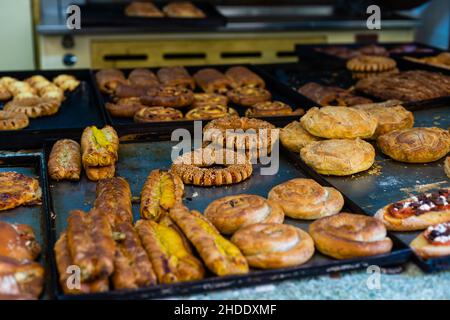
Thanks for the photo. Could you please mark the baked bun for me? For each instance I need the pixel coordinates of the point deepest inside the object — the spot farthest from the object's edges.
(231, 213)
(271, 246)
(339, 123)
(294, 137)
(346, 236)
(433, 242)
(415, 145)
(339, 157)
(390, 115)
(416, 213)
(447, 166)
(306, 199)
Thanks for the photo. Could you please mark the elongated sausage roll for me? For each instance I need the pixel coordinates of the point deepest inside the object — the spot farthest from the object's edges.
(65, 161)
(99, 147)
(176, 77)
(109, 79)
(212, 81)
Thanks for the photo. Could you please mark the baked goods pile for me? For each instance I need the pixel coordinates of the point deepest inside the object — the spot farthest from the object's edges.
(181, 9)
(34, 97)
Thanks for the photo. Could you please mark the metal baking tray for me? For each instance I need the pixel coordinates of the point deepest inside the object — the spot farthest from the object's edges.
(113, 14)
(278, 90)
(80, 109)
(389, 181)
(137, 159)
(31, 164)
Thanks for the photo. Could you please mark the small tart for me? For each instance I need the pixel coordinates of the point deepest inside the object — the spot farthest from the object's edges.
(294, 137)
(364, 63)
(156, 114)
(173, 97)
(13, 120)
(248, 96)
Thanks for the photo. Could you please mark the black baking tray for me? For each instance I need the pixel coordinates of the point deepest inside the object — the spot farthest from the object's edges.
(113, 15)
(79, 110)
(389, 181)
(279, 92)
(31, 164)
(137, 158)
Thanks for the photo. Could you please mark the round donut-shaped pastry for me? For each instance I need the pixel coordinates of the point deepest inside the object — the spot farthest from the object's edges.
(125, 108)
(339, 123)
(269, 108)
(339, 157)
(294, 137)
(346, 236)
(306, 199)
(364, 63)
(13, 120)
(390, 115)
(33, 108)
(173, 97)
(248, 96)
(415, 145)
(231, 213)
(209, 167)
(208, 99)
(155, 114)
(273, 246)
(210, 112)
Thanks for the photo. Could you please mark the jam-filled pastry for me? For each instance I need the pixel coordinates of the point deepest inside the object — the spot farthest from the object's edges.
(243, 77)
(212, 81)
(183, 9)
(434, 242)
(18, 241)
(418, 212)
(65, 161)
(176, 77)
(17, 189)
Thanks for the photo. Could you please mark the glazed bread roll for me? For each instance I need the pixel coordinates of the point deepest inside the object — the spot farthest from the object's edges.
(231, 213)
(418, 212)
(306, 199)
(415, 145)
(339, 157)
(294, 137)
(272, 246)
(339, 123)
(99, 147)
(434, 242)
(65, 161)
(346, 236)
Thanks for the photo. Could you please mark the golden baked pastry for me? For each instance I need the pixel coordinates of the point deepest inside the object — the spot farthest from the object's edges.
(209, 99)
(5, 95)
(339, 123)
(306, 199)
(220, 256)
(173, 97)
(18, 241)
(365, 75)
(52, 92)
(339, 157)
(65, 161)
(183, 9)
(37, 82)
(157, 114)
(212, 81)
(17, 189)
(171, 258)
(16, 87)
(161, 192)
(206, 112)
(109, 79)
(364, 63)
(243, 77)
(346, 236)
(143, 10)
(248, 96)
(434, 242)
(415, 145)
(198, 167)
(99, 173)
(272, 108)
(66, 82)
(294, 137)
(33, 107)
(125, 107)
(142, 78)
(447, 166)
(418, 212)
(176, 77)
(390, 115)
(229, 214)
(99, 147)
(272, 246)
(13, 120)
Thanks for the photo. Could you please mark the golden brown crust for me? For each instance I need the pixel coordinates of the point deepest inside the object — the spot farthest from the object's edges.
(339, 123)
(18, 241)
(346, 236)
(17, 189)
(176, 77)
(109, 79)
(243, 77)
(271, 108)
(156, 114)
(171, 258)
(212, 81)
(183, 9)
(447, 166)
(13, 120)
(306, 199)
(172, 97)
(415, 145)
(99, 173)
(272, 246)
(364, 63)
(125, 108)
(21, 278)
(219, 255)
(209, 99)
(428, 250)
(5, 95)
(141, 77)
(161, 192)
(65, 161)
(210, 112)
(294, 137)
(66, 82)
(248, 96)
(231, 213)
(339, 157)
(33, 107)
(125, 91)
(143, 9)
(99, 147)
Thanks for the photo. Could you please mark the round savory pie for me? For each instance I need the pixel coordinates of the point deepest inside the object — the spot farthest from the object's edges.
(155, 114)
(364, 63)
(294, 137)
(248, 96)
(13, 120)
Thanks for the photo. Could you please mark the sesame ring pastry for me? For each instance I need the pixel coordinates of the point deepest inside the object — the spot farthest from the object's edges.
(243, 77)
(176, 77)
(197, 167)
(4, 93)
(210, 112)
(34, 107)
(346, 236)
(109, 79)
(306, 199)
(172, 97)
(65, 161)
(339, 157)
(17, 189)
(248, 96)
(270, 108)
(13, 120)
(156, 114)
(339, 123)
(125, 107)
(229, 214)
(212, 81)
(364, 63)
(415, 145)
(294, 137)
(447, 166)
(201, 99)
(434, 242)
(391, 115)
(273, 246)
(418, 212)
(66, 82)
